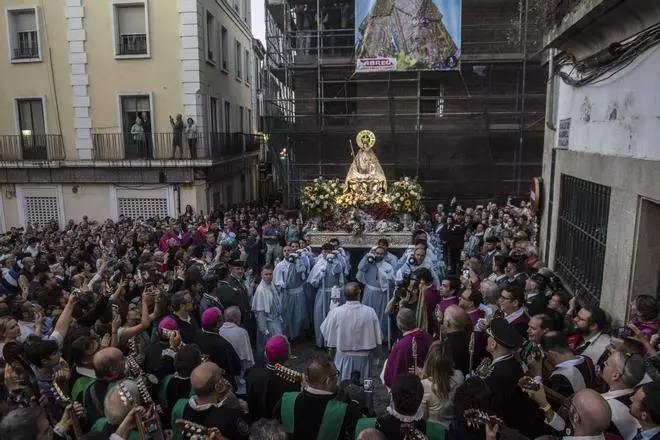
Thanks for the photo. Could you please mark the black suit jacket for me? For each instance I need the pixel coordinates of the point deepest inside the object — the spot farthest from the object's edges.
(220, 351)
(536, 305)
(518, 410)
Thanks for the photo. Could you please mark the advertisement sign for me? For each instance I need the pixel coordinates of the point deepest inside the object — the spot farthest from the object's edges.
(404, 35)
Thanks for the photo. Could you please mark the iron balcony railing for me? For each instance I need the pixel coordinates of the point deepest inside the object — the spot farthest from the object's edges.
(134, 44)
(32, 147)
(26, 53)
(170, 146)
(27, 45)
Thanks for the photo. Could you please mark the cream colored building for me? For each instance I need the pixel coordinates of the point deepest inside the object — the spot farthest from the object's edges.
(77, 74)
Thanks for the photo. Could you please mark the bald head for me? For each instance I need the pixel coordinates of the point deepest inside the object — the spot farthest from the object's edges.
(108, 363)
(352, 291)
(456, 319)
(593, 412)
(371, 434)
(204, 379)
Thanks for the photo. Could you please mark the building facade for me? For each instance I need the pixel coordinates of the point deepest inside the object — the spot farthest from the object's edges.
(601, 202)
(91, 100)
(475, 132)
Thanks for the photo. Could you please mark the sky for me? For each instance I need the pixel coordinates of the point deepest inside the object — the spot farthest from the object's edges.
(259, 21)
(451, 11)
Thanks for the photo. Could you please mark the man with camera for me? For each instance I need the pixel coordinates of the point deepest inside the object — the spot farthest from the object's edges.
(377, 275)
(327, 277)
(289, 279)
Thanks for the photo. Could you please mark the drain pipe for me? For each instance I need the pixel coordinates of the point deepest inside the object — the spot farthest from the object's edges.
(550, 105)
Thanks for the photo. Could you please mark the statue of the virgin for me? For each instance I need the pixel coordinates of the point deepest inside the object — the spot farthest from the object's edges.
(365, 173)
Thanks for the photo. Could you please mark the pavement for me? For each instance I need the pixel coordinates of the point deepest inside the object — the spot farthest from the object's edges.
(303, 352)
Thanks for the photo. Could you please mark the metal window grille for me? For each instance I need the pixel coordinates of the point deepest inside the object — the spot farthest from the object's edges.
(143, 207)
(582, 234)
(41, 210)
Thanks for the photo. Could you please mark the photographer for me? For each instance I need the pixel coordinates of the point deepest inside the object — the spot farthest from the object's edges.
(377, 275)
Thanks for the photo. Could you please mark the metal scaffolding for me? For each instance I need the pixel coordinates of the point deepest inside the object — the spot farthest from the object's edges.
(476, 131)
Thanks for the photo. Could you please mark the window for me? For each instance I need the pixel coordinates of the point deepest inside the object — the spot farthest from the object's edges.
(246, 11)
(23, 34)
(241, 115)
(432, 100)
(237, 7)
(582, 235)
(131, 30)
(227, 116)
(249, 121)
(248, 72)
(210, 37)
(225, 47)
(32, 128)
(134, 208)
(40, 211)
(213, 115)
(137, 143)
(238, 60)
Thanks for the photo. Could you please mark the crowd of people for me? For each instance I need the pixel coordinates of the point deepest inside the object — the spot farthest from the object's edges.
(186, 328)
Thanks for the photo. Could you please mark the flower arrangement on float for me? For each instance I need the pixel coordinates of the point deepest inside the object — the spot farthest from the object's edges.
(320, 196)
(406, 196)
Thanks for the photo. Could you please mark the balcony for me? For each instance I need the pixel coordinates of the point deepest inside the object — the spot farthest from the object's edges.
(159, 146)
(133, 44)
(26, 53)
(37, 147)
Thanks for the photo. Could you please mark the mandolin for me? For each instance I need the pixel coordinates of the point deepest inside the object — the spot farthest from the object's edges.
(66, 401)
(527, 383)
(286, 373)
(148, 427)
(194, 431)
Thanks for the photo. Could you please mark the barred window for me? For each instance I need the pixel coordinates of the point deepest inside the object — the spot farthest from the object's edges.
(143, 207)
(41, 210)
(582, 235)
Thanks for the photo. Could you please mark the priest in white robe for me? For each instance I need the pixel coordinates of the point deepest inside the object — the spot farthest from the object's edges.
(267, 308)
(353, 329)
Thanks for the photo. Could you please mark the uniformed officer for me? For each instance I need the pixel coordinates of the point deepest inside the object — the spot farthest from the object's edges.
(233, 292)
(502, 374)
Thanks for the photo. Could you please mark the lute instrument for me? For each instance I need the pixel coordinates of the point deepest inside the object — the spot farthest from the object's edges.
(194, 431)
(148, 427)
(66, 401)
(527, 383)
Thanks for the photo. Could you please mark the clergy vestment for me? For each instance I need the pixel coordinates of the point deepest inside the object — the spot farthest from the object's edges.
(267, 308)
(401, 358)
(378, 280)
(289, 279)
(354, 330)
(326, 274)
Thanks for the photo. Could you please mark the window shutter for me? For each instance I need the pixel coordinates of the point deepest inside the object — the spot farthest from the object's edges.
(131, 20)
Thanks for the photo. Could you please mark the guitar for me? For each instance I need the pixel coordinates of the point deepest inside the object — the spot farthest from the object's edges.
(193, 431)
(148, 427)
(152, 424)
(476, 418)
(66, 401)
(527, 383)
(286, 373)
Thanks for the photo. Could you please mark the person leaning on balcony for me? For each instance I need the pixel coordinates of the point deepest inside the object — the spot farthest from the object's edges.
(137, 131)
(191, 134)
(177, 134)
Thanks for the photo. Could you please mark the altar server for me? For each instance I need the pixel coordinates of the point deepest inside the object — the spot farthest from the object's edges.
(389, 256)
(327, 276)
(377, 275)
(267, 308)
(354, 330)
(343, 255)
(289, 278)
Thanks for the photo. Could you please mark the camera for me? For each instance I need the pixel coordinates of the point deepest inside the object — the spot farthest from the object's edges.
(412, 261)
(371, 259)
(330, 258)
(292, 257)
(622, 333)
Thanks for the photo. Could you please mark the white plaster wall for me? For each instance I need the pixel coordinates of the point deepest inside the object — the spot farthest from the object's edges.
(79, 80)
(619, 116)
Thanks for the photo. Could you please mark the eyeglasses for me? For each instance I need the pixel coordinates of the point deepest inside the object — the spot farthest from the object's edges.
(505, 298)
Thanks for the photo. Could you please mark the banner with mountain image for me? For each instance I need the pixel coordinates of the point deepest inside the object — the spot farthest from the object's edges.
(405, 35)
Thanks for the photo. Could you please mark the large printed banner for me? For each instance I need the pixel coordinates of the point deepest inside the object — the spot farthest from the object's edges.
(400, 35)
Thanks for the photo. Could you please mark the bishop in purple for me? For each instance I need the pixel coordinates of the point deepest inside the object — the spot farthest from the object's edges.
(409, 351)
